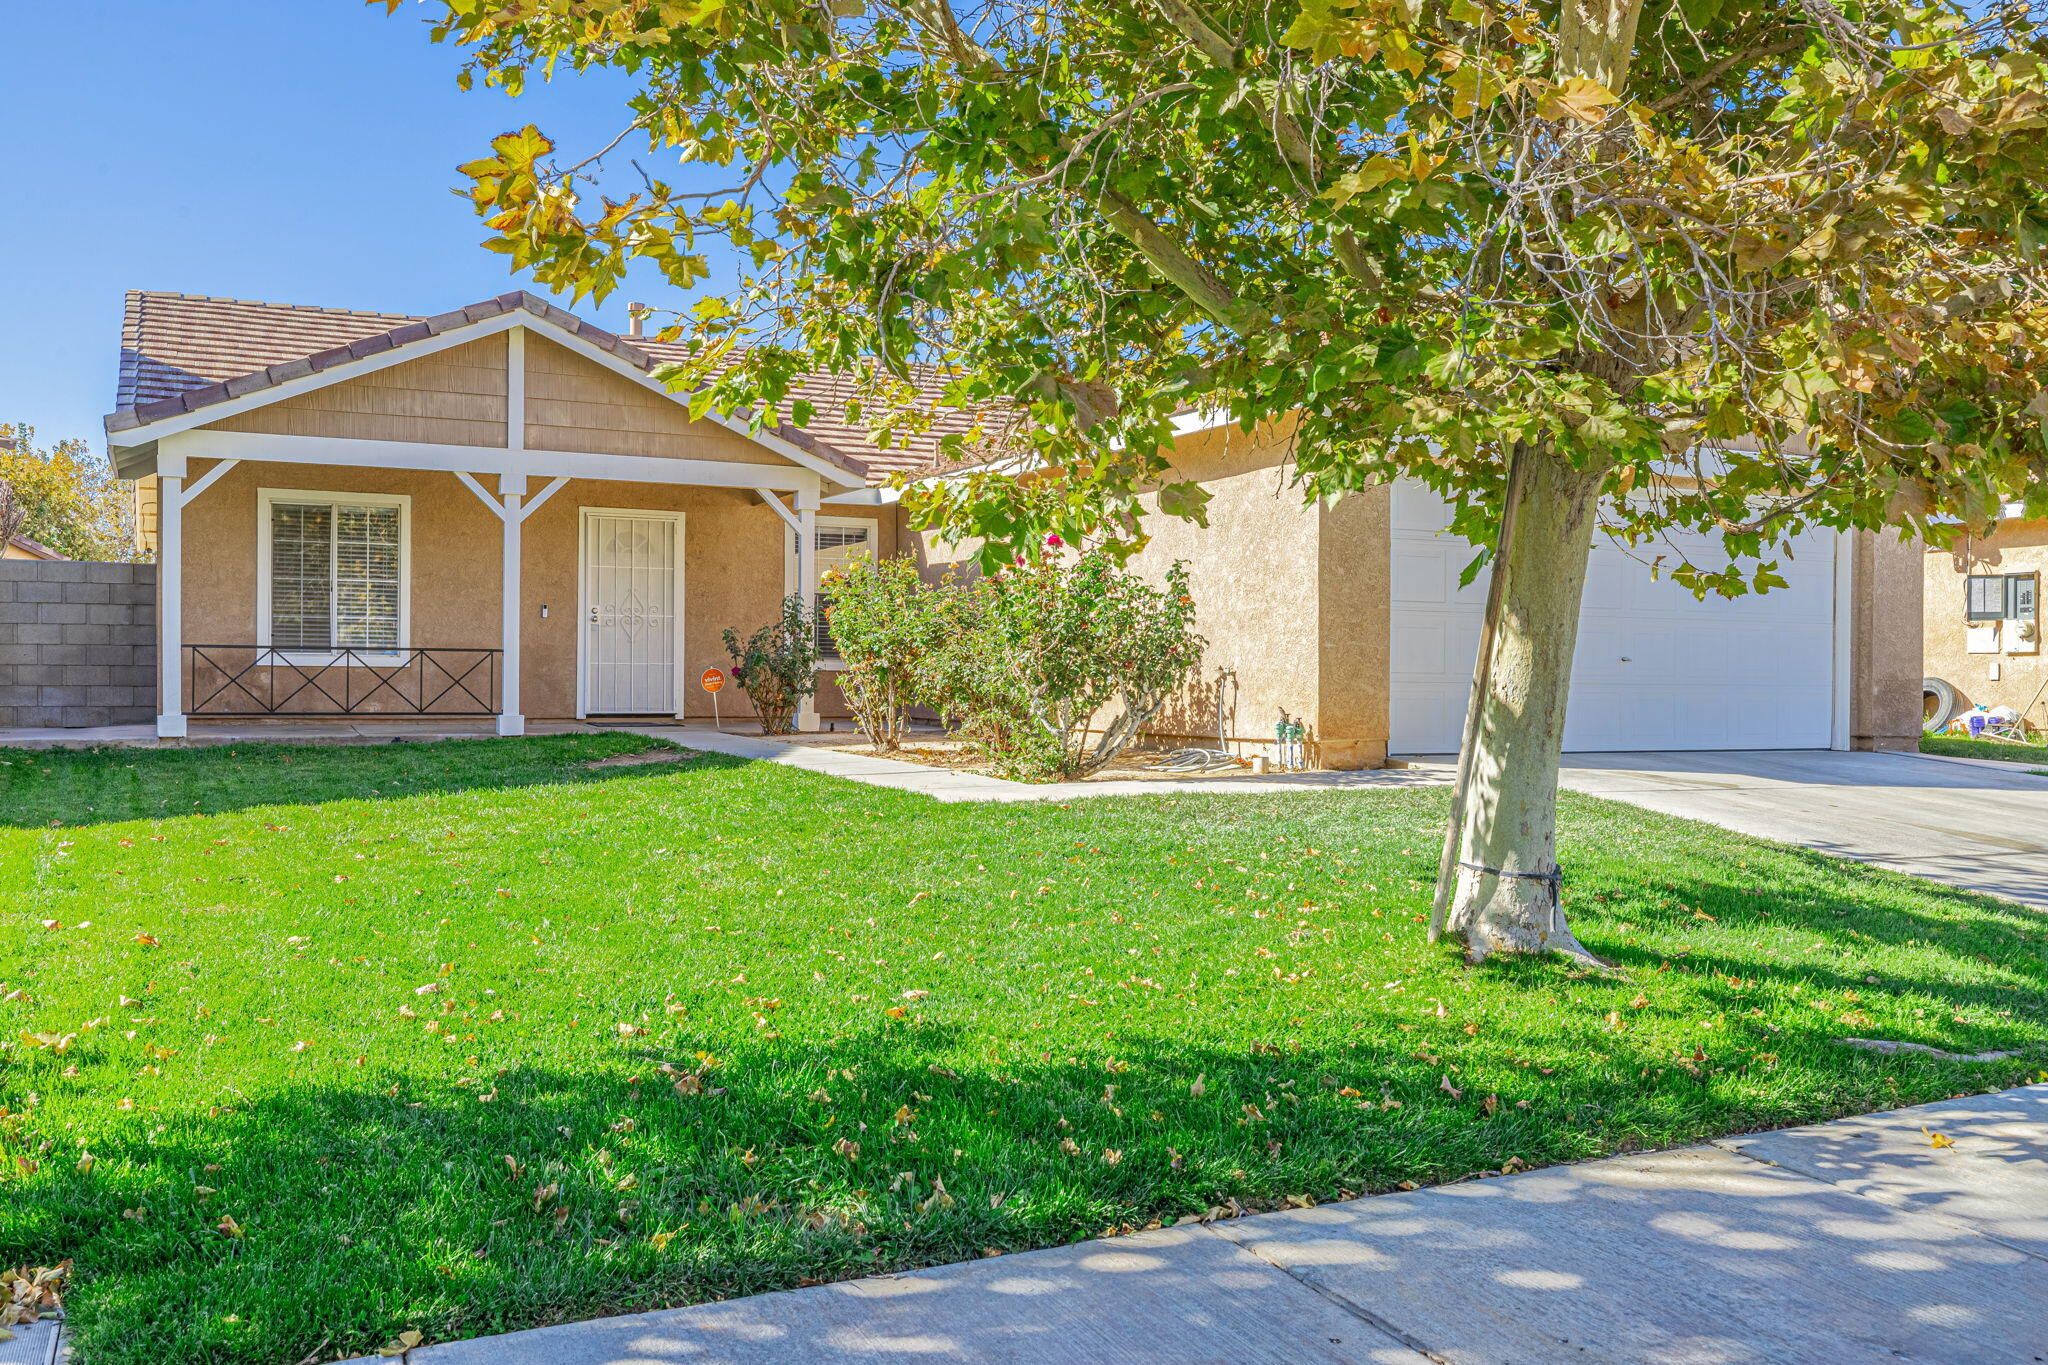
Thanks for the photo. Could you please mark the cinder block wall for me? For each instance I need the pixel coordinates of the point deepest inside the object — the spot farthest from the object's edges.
(77, 643)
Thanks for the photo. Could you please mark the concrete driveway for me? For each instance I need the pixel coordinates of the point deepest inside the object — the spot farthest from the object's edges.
(1971, 825)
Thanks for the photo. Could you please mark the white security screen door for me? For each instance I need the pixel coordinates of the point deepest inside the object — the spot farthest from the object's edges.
(631, 623)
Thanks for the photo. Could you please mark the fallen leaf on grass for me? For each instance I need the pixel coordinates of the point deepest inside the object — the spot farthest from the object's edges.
(229, 1226)
(405, 1341)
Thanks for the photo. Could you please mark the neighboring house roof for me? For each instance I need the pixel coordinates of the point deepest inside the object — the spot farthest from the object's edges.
(32, 549)
(181, 353)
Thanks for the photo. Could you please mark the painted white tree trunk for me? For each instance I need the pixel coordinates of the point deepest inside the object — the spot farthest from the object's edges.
(1507, 886)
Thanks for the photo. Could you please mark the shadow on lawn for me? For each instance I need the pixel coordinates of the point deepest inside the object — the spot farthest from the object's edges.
(389, 1201)
(73, 787)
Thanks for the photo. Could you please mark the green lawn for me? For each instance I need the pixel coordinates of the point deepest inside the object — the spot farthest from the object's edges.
(470, 1036)
(1960, 746)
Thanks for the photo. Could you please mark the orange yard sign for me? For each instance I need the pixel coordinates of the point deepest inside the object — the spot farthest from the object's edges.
(713, 679)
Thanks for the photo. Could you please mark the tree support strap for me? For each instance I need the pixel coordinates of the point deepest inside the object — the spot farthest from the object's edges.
(1555, 876)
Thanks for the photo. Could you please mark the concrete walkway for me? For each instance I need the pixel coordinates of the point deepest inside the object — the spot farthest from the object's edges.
(1847, 1242)
(948, 784)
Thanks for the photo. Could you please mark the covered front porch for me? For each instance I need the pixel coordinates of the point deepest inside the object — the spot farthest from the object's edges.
(498, 519)
(315, 579)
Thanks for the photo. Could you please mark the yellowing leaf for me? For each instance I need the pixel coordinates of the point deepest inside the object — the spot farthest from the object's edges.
(1575, 97)
(1935, 1139)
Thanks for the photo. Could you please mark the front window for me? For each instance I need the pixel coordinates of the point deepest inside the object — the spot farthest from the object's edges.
(837, 544)
(335, 573)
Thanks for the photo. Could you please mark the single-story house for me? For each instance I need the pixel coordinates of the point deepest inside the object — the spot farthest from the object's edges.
(501, 510)
(1983, 618)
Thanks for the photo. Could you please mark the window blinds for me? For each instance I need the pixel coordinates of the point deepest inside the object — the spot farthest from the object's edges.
(334, 576)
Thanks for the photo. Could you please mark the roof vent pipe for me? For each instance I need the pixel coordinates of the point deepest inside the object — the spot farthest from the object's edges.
(635, 312)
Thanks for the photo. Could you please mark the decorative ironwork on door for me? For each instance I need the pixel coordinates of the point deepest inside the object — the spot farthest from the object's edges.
(631, 619)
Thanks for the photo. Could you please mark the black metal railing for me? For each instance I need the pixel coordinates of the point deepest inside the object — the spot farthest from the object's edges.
(258, 680)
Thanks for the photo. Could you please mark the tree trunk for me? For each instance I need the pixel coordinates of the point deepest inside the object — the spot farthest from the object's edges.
(1507, 897)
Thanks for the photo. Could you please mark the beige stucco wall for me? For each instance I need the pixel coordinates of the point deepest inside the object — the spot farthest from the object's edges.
(1885, 641)
(2018, 547)
(1291, 598)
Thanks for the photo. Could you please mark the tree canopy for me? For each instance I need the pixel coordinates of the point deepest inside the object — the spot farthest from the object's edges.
(68, 499)
(1804, 237)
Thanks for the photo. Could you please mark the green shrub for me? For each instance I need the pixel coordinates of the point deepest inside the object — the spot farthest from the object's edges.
(1030, 657)
(778, 665)
(885, 621)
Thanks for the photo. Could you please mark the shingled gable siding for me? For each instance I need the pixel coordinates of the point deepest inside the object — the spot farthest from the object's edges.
(452, 397)
(77, 643)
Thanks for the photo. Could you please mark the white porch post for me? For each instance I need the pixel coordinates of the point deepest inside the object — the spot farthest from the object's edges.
(170, 582)
(510, 720)
(512, 488)
(807, 585)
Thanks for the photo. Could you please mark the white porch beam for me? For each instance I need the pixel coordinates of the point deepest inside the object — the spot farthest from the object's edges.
(483, 495)
(170, 583)
(450, 459)
(781, 510)
(206, 481)
(533, 503)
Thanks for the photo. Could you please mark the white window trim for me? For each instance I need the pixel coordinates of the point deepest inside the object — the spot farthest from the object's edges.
(874, 530)
(265, 497)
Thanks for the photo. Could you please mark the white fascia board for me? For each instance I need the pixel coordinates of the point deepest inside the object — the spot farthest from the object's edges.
(175, 453)
(398, 355)
(1201, 419)
(883, 495)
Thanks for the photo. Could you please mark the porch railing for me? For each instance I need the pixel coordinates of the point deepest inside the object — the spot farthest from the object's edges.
(258, 680)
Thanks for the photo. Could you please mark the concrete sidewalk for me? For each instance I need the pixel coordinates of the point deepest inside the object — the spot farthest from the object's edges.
(1854, 1241)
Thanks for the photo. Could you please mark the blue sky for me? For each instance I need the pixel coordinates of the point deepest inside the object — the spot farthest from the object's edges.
(299, 151)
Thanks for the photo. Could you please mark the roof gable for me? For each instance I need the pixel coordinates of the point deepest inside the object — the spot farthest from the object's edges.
(182, 354)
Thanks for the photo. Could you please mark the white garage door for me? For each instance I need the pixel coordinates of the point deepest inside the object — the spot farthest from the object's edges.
(1655, 668)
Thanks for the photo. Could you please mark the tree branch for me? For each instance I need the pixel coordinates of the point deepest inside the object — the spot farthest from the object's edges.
(1706, 79)
(1294, 144)
(1174, 262)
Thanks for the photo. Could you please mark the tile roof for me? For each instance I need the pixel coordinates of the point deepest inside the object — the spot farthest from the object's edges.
(184, 352)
